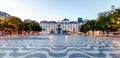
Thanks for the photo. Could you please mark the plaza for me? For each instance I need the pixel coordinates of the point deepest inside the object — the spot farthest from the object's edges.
(60, 29)
(59, 46)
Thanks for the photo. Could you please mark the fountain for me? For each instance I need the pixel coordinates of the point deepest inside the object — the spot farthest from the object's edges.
(59, 30)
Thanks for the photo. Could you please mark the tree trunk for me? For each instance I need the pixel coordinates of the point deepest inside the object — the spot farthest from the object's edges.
(99, 33)
(2, 32)
(93, 33)
(25, 33)
(107, 34)
(10, 32)
(14, 31)
(115, 33)
(29, 32)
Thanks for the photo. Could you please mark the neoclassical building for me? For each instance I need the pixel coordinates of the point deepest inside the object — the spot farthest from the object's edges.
(65, 25)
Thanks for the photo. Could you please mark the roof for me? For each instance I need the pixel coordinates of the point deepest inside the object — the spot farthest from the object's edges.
(48, 22)
(66, 19)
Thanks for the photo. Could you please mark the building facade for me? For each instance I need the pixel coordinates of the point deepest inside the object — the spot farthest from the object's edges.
(65, 25)
(48, 25)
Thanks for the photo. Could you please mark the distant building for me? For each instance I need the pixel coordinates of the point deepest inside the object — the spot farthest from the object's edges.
(112, 10)
(4, 14)
(68, 25)
(80, 20)
(103, 13)
(65, 24)
(49, 25)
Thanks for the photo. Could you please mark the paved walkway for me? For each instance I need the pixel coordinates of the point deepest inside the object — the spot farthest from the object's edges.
(60, 46)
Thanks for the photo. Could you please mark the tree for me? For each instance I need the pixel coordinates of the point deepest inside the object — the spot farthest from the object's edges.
(89, 25)
(103, 24)
(114, 21)
(84, 28)
(92, 23)
(32, 26)
(108, 23)
(1, 26)
(36, 26)
(13, 23)
(28, 26)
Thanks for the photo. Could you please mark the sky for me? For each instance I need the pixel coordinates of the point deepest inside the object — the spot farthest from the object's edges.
(39, 10)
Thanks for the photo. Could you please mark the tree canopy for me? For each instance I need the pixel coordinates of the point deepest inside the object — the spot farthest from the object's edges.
(14, 23)
(108, 23)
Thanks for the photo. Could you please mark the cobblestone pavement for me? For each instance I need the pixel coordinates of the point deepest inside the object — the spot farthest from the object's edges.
(60, 46)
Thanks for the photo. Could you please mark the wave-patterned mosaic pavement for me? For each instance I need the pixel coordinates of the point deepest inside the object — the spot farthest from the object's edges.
(59, 46)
